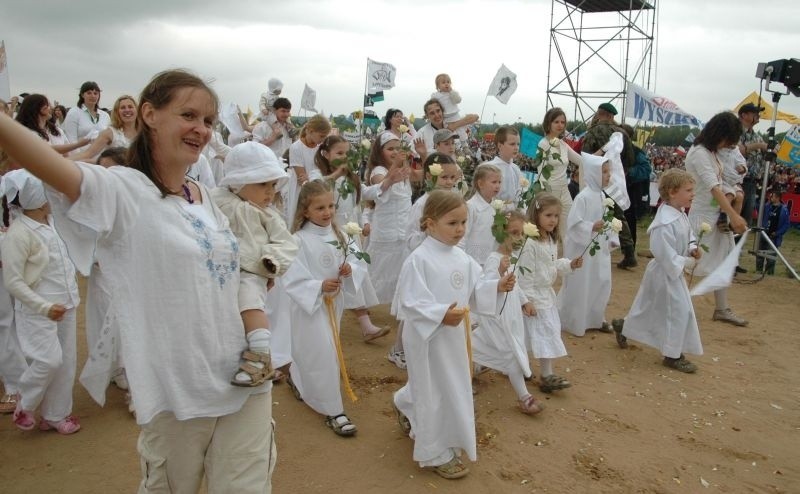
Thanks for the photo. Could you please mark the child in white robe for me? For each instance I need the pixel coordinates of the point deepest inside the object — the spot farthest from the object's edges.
(331, 160)
(40, 276)
(449, 99)
(543, 326)
(662, 315)
(499, 340)
(583, 296)
(478, 241)
(253, 174)
(437, 283)
(507, 140)
(320, 271)
(301, 160)
(265, 102)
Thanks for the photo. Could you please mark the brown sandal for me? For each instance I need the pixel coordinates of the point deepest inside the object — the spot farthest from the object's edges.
(8, 403)
(530, 405)
(453, 469)
(257, 366)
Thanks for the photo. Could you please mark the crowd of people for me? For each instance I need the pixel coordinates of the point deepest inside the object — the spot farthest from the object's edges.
(279, 230)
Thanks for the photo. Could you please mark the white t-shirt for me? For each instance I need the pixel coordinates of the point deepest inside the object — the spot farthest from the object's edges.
(78, 123)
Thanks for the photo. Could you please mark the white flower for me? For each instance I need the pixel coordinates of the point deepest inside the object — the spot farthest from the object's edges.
(411, 118)
(365, 144)
(460, 160)
(435, 169)
(402, 129)
(705, 227)
(608, 202)
(616, 225)
(530, 230)
(352, 229)
(498, 205)
(524, 183)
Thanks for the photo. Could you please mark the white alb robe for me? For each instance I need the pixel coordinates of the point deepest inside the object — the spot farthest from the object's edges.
(438, 396)
(478, 241)
(315, 368)
(662, 315)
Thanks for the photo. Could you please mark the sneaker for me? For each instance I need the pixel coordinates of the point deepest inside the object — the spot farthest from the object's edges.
(69, 425)
(24, 419)
(397, 358)
(727, 315)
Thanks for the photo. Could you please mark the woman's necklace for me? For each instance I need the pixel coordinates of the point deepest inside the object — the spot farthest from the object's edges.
(187, 194)
(94, 116)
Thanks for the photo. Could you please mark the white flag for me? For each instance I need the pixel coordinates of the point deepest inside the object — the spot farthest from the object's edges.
(5, 85)
(503, 85)
(309, 99)
(380, 75)
(723, 275)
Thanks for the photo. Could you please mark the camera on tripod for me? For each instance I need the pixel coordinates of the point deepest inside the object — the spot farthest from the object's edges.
(786, 71)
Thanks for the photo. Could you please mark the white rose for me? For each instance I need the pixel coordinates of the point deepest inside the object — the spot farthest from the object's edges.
(402, 129)
(352, 229)
(705, 227)
(530, 230)
(460, 160)
(365, 143)
(616, 225)
(498, 205)
(411, 118)
(525, 183)
(608, 202)
(435, 169)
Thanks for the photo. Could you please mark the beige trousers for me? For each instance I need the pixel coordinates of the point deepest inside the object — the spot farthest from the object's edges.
(235, 453)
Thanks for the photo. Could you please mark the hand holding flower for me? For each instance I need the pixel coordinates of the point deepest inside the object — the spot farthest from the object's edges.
(345, 270)
(453, 316)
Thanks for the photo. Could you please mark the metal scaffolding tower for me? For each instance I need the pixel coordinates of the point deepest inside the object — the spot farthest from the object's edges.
(596, 48)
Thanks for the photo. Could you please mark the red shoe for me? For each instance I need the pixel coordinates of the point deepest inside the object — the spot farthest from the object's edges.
(69, 425)
(24, 419)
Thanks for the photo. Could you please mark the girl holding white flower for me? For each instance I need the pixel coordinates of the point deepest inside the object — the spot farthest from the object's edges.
(326, 266)
(486, 183)
(332, 161)
(253, 174)
(543, 326)
(559, 155)
(662, 315)
(583, 296)
(499, 340)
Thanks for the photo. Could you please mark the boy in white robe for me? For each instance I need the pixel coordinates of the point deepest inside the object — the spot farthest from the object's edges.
(662, 315)
(584, 295)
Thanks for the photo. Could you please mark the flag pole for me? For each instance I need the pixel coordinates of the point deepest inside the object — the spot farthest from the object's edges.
(364, 102)
(480, 119)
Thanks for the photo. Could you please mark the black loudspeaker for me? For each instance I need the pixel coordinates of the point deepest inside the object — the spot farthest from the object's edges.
(785, 71)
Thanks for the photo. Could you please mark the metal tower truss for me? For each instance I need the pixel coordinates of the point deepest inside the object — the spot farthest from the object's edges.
(596, 48)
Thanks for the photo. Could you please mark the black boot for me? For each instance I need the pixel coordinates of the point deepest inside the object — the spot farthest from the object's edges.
(629, 261)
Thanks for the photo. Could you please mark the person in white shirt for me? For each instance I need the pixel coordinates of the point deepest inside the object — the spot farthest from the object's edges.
(435, 116)
(449, 99)
(86, 119)
(507, 139)
(124, 127)
(277, 131)
(35, 113)
(267, 100)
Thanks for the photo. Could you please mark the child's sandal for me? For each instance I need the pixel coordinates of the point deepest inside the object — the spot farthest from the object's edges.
(341, 425)
(453, 469)
(402, 420)
(255, 370)
(553, 383)
(530, 405)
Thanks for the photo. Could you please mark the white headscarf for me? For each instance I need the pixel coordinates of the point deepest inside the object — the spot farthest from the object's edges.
(593, 171)
(29, 189)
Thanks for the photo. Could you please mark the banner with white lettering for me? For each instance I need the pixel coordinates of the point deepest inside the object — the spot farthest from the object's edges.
(641, 104)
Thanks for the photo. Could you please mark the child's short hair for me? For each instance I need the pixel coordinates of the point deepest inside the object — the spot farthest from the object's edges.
(501, 135)
(540, 202)
(439, 203)
(671, 180)
(515, 215)
(440, 78)
(117, 154)
(481, 172)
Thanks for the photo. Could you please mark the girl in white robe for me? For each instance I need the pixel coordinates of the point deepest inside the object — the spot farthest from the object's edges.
(499, 340)
(436, 284)
(301, 160)
(662, 315)
(347, 198)
(583, 296)
(543, 327)
(40, 276)
(478, 241)
(320, 270)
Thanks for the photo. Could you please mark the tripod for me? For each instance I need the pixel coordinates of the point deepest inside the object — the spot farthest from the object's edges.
(758, 231)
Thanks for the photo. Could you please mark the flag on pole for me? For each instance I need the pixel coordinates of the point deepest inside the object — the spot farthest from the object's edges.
(690, 138)
(5, 85)
(372, 98)
(503, 85)
(309, 99)
(380, 75)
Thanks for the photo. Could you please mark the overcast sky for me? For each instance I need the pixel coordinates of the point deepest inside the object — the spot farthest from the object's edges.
(707, 51)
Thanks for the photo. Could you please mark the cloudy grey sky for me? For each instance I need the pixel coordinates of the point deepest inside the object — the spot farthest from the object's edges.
(707, 51)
